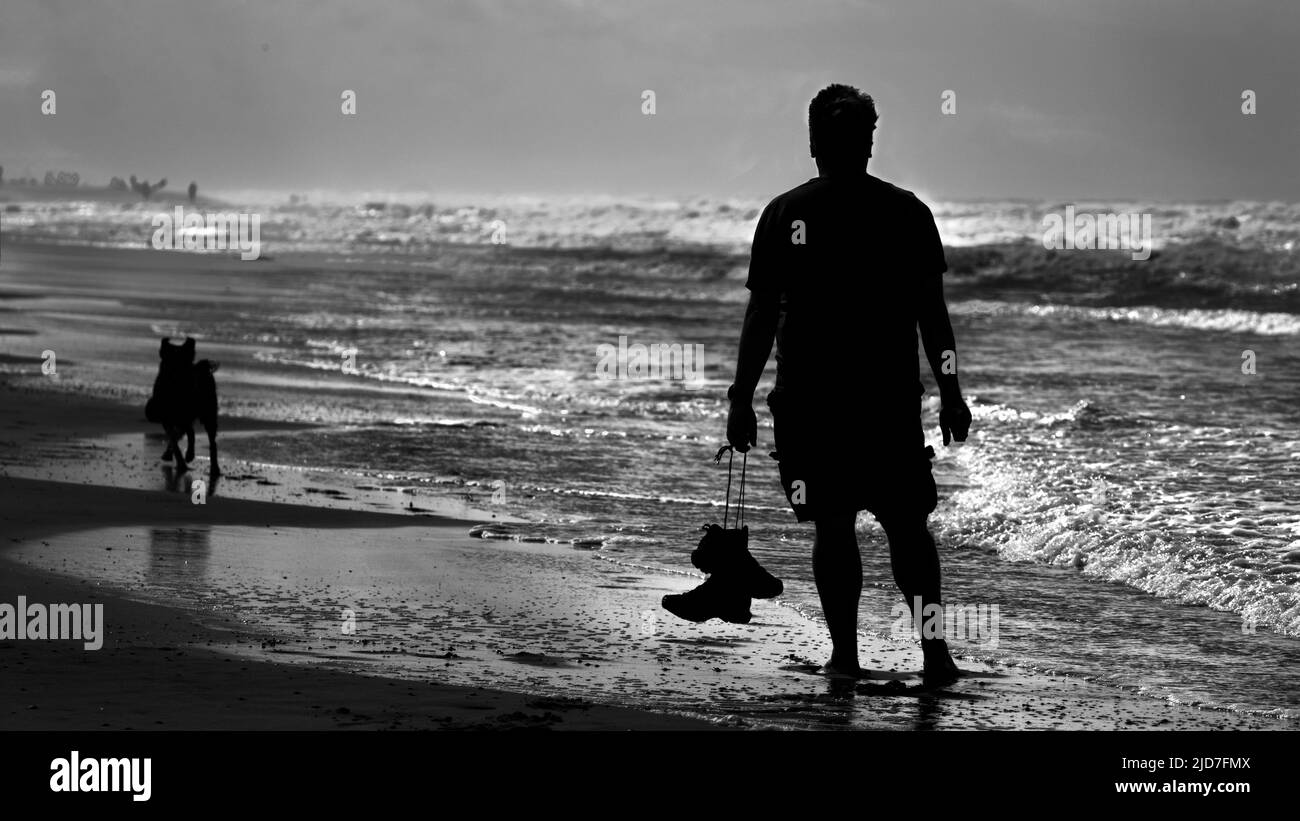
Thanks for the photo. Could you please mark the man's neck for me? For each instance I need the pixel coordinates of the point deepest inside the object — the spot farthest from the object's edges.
(842, 171)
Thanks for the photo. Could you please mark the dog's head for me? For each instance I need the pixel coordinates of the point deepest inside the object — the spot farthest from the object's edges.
(175, 356)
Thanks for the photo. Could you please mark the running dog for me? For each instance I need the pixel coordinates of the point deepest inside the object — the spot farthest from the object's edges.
(184, 391)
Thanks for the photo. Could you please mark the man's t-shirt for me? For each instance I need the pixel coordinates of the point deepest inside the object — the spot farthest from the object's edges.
(848, 255)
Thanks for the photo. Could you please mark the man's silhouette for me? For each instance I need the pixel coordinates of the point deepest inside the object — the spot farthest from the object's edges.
(844, 269)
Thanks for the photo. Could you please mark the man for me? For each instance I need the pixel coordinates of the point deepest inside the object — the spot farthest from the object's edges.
(844, 269)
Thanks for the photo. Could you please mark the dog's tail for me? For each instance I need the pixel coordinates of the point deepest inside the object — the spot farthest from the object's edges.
(210, 365)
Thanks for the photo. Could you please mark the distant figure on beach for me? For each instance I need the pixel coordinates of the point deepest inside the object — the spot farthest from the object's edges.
(193, 191)
(144, 188)
(844, 268)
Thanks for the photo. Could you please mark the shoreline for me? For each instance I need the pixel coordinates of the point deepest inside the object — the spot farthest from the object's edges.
(160, 667)
(173, 668)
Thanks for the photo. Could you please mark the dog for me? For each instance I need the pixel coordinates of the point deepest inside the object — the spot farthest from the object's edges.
(184, 390)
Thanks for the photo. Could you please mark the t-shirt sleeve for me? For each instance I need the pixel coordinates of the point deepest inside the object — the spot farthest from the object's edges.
(765, 254)
(929, 246)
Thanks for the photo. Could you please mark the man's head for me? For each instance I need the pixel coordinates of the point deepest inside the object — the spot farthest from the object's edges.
(841, 120)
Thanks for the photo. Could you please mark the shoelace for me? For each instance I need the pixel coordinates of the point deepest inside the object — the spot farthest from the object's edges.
(740, 497)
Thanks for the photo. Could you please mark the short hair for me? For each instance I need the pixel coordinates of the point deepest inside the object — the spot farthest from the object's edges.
(840, 121)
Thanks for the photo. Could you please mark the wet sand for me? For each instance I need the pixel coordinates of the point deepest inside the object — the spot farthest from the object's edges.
(165, 667)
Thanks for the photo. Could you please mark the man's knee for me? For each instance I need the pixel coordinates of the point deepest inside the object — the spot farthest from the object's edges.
(905, 528)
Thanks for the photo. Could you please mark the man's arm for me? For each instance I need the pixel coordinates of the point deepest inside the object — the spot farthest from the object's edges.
(756, 338)
(761, 317)
(941, 351)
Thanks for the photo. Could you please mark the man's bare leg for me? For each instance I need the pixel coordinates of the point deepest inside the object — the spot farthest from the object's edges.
(915, 562)
(837, 569)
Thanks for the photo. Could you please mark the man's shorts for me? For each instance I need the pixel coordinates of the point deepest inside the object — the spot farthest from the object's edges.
(837, 456)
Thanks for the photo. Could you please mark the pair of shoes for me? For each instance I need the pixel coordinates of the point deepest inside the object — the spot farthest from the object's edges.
(727, 552)
(718, 597)
(735, 577)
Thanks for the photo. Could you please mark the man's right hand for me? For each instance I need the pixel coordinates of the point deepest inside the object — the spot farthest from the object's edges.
(954, 420)
(742, 426)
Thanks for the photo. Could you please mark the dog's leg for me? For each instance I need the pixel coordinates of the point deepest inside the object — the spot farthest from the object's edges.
(167, 437)
(210, 425)
(174, 439)
(189, 442)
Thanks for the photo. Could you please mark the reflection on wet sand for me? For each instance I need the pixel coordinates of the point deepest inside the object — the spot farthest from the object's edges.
(178, 556)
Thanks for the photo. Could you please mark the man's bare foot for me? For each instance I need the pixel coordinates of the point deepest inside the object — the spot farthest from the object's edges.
(845, 670)
(939, 668)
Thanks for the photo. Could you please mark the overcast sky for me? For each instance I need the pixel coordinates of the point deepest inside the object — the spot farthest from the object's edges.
(1064, 100)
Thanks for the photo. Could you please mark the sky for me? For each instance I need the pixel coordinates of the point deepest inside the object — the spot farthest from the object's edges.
(1106, 99)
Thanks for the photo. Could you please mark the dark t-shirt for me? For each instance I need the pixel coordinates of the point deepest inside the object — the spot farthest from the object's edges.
(850, 291)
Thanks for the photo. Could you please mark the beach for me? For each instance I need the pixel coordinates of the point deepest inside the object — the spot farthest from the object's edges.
(374, 494)
(163, 668)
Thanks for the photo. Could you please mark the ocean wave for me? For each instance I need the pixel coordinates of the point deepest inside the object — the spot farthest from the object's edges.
(1231, 255)
(1111, 521)
(1228, 320)
(333, 221)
